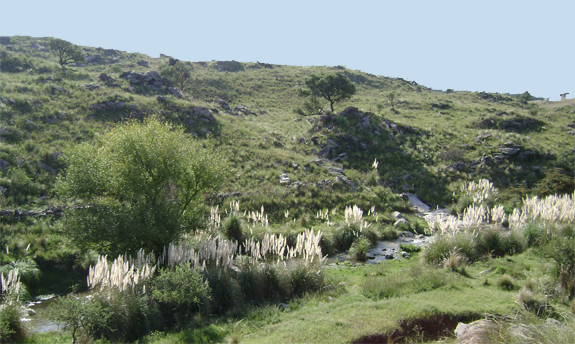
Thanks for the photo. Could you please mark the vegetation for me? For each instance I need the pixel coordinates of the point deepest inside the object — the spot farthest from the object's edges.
(100, 161)
(332, 87)
(142, 183)
(66, 52)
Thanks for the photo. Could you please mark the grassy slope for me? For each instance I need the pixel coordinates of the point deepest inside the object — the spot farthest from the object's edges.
(257, 144)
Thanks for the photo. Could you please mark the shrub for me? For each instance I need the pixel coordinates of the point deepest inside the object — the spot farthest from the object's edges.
(304, 278)
(506, 282)
(437, 251)
(359, 249)
(129, 316)
(11, 328)
(233, 227)
(225, 290)
(345, 235)
(80, 316)
(180, 292)
(389, 233)
(409, 248)
(489, 242)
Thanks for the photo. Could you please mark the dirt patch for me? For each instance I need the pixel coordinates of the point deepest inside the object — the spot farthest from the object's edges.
(432, 327)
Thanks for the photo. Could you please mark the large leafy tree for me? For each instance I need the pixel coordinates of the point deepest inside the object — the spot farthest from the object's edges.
(141, 186)
(332, 87)
(66, 52)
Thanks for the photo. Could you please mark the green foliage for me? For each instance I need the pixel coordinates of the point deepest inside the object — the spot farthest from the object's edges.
(345, 235)
(506, 282)
(179, 74)
(561, 249)
(332, 87)
(12, 63)
(359, 248)
(409, 248)
(79, 316)
(66, 52)
(311, 107)
(180, 292)
(555, 182)
(525, 97)
(144, 183)
(12, 330)
(232, 227)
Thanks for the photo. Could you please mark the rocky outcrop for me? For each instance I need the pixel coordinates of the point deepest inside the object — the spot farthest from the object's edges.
(151, 79)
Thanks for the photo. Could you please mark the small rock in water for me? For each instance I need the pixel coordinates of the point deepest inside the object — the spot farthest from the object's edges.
(405, 254)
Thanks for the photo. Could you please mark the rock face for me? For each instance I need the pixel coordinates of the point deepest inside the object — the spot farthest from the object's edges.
(417, 203)
(142, 63)
(151, 79)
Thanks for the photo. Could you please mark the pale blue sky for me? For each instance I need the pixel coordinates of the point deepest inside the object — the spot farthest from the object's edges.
(495, 46)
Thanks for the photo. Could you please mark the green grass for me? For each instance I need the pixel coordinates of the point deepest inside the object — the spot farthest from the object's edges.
(422, 157)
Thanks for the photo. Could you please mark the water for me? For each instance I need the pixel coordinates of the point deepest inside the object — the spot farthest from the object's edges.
(384, 250)
(38, 322)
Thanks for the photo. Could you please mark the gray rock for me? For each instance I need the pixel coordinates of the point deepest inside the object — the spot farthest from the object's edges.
(405, 255)
(284, 179)
(336, 170)
(106, 78)
(400, 222)
(326, 151)
(47, 168)
(397, 215)
(92, 87)
(142, 63)
(4, 164)
(509, 150)
(342, 179)
(57, 89)
(203, 113)
(174, 92)
(30, 124)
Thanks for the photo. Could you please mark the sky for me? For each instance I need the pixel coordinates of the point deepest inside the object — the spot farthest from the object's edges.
(504, 46)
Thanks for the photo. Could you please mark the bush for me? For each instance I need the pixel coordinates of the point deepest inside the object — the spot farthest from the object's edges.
(11, 328)
(506, 282)
(233, 228)
(304, 278)
(345, 235)
(180, 292)
(359, 249)
(129, 316)
(226, 293)
(437, 251)
(80, 316)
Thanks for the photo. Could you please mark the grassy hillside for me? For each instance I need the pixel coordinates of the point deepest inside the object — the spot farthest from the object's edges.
(294, 166)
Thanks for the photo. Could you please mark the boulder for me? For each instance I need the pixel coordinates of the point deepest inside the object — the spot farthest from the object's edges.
(4, 164)
(397, 215)
(106, 78)
(142, 63)
(174, 92)
(509, 150)
(284, 179)
(399, 222)
(47, 168)
(326, 151)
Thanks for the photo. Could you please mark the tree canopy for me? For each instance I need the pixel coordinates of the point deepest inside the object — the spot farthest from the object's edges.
(332, 87)
(141, 185)
(66, 52)
(179, 74)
